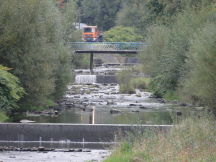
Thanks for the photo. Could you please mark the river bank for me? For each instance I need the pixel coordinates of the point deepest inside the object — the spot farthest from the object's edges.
(191, 140)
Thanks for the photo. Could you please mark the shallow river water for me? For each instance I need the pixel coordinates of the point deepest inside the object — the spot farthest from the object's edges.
(93, 156)
(102, 104)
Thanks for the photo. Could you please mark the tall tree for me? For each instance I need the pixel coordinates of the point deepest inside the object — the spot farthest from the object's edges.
(107, 12)
(32, 43)
(100, 12)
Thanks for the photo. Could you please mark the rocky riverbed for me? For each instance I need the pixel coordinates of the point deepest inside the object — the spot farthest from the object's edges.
(108, 96)
(54, 156)
(104, 104)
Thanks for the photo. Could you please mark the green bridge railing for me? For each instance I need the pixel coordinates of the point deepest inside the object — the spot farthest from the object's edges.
(107, 46)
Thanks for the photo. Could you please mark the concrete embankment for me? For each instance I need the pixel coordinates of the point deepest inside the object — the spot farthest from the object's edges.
(70, 132)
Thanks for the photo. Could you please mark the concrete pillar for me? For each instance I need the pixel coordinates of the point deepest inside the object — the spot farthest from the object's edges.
(91, 63)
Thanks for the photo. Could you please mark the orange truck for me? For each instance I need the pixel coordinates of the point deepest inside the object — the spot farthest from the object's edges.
(92, 34)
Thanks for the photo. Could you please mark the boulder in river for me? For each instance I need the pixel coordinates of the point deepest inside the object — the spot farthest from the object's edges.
(114, 111)
(183, 104)
(110, 102)
(161, 100)
(132, 104)
(89, 109)
(135, 111)
(143, 107)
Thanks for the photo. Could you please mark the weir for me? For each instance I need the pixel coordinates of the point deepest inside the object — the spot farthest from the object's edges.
(91, 79)
(85, 79)
(15, 133)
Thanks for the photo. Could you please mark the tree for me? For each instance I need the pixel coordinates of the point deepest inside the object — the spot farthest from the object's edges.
(107, 12)
(143, 14)
(100, 12)
(165, 58)
(32, 43)
(199, 85)
(89, 11)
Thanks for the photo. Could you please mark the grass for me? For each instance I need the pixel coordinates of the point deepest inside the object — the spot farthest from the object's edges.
(194, 140)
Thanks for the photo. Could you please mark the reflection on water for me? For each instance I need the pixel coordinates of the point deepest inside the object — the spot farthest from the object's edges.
(102, 116)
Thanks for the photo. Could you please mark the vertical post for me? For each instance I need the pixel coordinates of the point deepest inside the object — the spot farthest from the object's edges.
(91, 63)
(93, 115)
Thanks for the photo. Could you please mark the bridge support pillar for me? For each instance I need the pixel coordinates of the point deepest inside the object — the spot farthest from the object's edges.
(91, 62)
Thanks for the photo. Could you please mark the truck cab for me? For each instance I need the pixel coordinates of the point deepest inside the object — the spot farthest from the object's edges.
(91, 34)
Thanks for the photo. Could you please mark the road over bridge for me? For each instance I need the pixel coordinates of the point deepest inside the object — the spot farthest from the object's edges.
(106, 48)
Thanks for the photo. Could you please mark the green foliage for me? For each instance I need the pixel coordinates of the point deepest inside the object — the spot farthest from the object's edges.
(107, 11)
(128, 83)
(63, 73)
(165, 58)
(122, 34)
(142, 14)
(124, 78)
(192, 140)
(199, 85)
(140, 83)
(10, 90)
(70, 14)
(81, 61)
(32, 38)
(153, 55)
(99, 12)
(89, 11)
(3, 116)
(133, 14)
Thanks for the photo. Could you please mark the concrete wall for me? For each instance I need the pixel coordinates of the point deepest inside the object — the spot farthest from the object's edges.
(106, 79)
(72, 132)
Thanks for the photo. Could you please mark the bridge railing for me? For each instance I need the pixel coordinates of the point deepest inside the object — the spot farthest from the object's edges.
(108, 46)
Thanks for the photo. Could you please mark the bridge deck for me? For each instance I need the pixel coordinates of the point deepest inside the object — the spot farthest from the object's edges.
(107, 47)
(106, 52)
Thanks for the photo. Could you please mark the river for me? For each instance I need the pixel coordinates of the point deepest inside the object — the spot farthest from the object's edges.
(89, 102)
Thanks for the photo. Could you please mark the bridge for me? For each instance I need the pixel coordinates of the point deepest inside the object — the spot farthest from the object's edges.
(106, 48)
